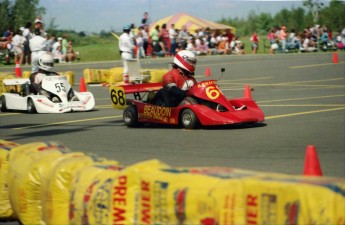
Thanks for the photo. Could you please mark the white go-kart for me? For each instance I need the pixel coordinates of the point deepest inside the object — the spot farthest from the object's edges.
(56, 96)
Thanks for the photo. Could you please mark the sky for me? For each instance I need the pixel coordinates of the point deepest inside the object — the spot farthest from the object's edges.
(98, 15)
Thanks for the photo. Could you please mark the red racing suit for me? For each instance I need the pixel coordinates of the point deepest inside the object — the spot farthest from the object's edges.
(176, 84)
(176, 78)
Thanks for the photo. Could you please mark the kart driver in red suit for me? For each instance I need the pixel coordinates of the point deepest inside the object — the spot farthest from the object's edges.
(178, 80)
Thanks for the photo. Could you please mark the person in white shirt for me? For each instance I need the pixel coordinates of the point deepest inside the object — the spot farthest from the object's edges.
(173, 41)
(18, 46)
(140, 44)
(27, 35)
(38, 46)
(126, 47)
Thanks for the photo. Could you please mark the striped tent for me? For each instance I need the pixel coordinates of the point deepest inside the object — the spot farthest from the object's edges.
(193, 23)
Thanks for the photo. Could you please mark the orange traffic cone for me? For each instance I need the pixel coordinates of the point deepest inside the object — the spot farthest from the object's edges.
(335, 57)
(247, 92)
(311, 163)
(207, 71)
(18, 70)
(82, 85)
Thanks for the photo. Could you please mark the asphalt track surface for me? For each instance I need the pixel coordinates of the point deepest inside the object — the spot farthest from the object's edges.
(302, 96)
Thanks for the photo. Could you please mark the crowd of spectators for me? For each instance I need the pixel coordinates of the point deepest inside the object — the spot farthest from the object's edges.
(18, 43)
(311, 39)
(166, 40)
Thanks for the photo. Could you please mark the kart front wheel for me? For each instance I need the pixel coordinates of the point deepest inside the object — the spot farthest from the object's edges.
(3, 104)
(130, 116)
(31, 106)
(189, 120)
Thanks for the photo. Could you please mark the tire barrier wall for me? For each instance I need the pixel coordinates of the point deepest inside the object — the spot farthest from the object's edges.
(115, 75)
(49, 184)
(3, 76)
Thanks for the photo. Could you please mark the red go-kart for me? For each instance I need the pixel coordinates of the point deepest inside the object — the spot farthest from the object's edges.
(211, 107)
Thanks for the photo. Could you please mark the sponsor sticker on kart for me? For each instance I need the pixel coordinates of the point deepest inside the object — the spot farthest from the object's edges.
(56, 78)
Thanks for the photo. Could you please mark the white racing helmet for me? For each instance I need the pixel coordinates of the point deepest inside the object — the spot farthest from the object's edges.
(46, 62)
(186, 61)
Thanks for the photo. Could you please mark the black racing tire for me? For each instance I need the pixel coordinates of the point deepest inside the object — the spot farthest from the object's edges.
(3, 103)
(189, 120)
(31, 106)
(130, 116)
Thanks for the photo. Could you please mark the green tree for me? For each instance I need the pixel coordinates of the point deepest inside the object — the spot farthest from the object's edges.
(334, 16)
(314, 7)
(26, 11)
(5, 15)
(265, 23)
(297, 19)
(283, 18)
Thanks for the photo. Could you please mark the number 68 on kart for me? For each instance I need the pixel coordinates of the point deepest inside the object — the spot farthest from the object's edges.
(118, 97)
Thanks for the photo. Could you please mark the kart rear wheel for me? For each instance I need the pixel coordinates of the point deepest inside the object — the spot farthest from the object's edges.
(130, 116)
(188, 119)
(3, 104)
(31, 106)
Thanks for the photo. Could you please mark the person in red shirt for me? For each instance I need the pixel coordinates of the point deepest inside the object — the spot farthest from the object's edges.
(177, 81)
(255, 42)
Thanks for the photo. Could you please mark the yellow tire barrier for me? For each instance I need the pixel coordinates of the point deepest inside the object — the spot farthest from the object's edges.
(115, 75)
(86, 194)
(79, 189)
(6, 211)
(156, 75)
(28, 163)
(69, 75)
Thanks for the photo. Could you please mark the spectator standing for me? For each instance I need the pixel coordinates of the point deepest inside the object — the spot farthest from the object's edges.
(164, 33)
(229, 34)
(145, 31)
(126, 47)
(131, 33)
(173, 39)
(27, 35)
(140, 44)
(183, 37)
(145, 20)
(38, 46)
(64, 45)
(271, 36)
(255, 42)
(212, 43)
(154, 34)
(57, 44)
(283, 37)
(39, 25)
(8, 35)
(18, 46)
(51, 42)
